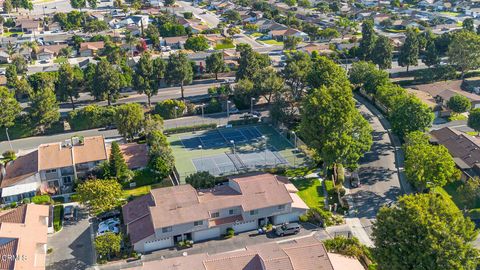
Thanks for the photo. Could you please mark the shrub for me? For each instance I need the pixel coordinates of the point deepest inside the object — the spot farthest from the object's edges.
(303, 218)
(91, 116)
(41, 199)
(57, 217)
(166, 109)
(9, 155)
(201, 180)
(187, 15)
(190, 128)
(26, 200)
(230, 233)
(214, 106)
(49, 250)
(74, 198)
(13, 205)
(59, 200)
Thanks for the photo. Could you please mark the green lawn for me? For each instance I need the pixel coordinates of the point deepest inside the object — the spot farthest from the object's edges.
(142, 190)
(449, 192)
(472, 133)
(311, 192)
(272, 42)
(447, 13)
(256, 35)
(9, 33)
(223, 46)
(60, 60)
(457, 116)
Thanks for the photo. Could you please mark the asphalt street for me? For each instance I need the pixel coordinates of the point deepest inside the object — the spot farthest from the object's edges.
(378, 172)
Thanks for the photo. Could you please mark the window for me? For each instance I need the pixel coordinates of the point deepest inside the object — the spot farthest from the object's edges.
(231, 211)
(167, 229)
(215, 215)
(253, 212)
(51, 171)
(198, 223)
(281, 207)
(67, 179)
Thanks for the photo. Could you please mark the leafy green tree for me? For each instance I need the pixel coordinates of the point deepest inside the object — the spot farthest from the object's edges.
(20, 64)
(179, 70)
(474, 119)
(250, 62)
(12, 76)
(426, 165)
(390, 95)
(325, 72)
(69, 83)
(328, 34)
(464, 51)
(367, 43)
(410, 49)
(431, 55)
(290, 3)
(296, 72)
(383, 52)
(129, 119)
(108, 244)
(215, 64)
(147, 76)
(367, 76)
(304, 3)
(197, 43)
(170, 29)
(43, 110)
(169, 3)
(42, 80)
(424, 231)
(78, 4)
(94, 26)
(153, 34)
(468, 25)
(10, 108)
(291, 42)
(7, 6)
(106, 82)
(117, 167)
(459, 104)
(161, 159)
(170, 109)
(333, 127)
(410, 115)
(200, 180)
(470, 190)
(232, 16)
(267, 82)
(350, 247)
(100, 194)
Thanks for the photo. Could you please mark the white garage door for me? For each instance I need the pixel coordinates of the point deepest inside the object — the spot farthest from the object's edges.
(158, 244)
(206, 234)
(291, 217)
(245, 226)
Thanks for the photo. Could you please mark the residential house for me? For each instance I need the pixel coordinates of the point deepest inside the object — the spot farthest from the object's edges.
(49, 52)
(265, 26)
(174, 42)
(290, 32)
(52, 168)
(137, 20)
(54, 27)
(321, 48)
(29, 26)
(23, 234)
(464, 149)
(301, 254)
(168, 215)
(88, 49)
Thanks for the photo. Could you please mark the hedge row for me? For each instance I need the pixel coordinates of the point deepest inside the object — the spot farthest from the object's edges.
(190, 128)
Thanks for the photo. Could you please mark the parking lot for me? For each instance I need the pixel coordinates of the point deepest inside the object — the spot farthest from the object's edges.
(72, 246)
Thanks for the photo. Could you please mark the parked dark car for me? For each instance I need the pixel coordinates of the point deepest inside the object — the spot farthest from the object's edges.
(287, 229)
(109, 214)
(68, 212)
(354, 180)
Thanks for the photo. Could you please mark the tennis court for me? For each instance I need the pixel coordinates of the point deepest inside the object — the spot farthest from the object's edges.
(232, 150)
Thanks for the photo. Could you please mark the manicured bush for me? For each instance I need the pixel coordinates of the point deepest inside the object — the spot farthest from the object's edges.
(26, 200)
(9, 155)
(57, 217)
(214, 106)
(13, 205)
(230, 233)
(59, 200)
(190, 128)
(91, 116)
(166, 109)
(41, 199)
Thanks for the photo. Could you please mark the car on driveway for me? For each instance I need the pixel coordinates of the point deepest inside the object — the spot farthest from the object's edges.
(104, 229)
(68, 212)
(287, 229)
(108, 215)
(110, 222)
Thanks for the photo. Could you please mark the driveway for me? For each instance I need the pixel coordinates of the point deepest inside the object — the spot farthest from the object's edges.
(238, 242)
(72, 246)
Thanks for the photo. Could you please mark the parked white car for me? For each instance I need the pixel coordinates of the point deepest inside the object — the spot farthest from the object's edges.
(104, 229)
(110, 222)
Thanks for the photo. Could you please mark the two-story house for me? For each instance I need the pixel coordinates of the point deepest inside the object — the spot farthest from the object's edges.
(172, 214)
(52, 168)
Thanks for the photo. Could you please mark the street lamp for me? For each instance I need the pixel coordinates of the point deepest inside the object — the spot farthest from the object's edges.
(233, 144)
(295, 139)
(251, 105)
(8, 138)
(176, 108)
(228, 110)
(265, 138)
